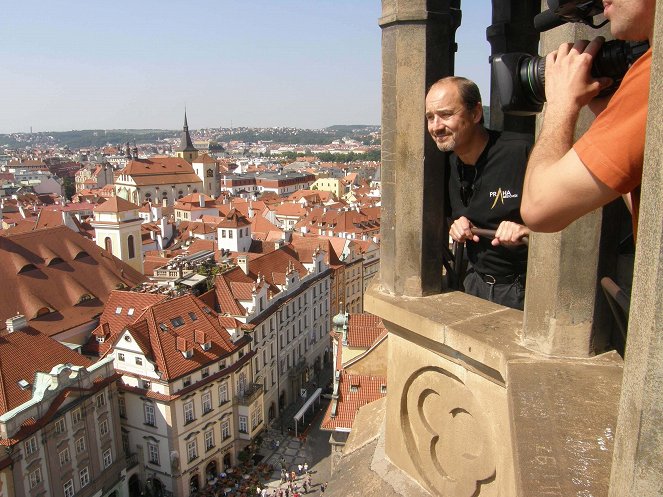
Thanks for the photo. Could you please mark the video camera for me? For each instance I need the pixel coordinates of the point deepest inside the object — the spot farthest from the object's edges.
(520, 76)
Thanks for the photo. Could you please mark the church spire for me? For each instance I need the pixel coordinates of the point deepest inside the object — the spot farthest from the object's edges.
(186, 150)
(186, 145)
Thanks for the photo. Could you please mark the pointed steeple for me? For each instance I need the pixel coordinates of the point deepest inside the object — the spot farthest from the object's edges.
(186, 145)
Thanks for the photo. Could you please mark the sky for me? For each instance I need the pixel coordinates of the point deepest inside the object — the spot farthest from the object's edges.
(72, 64)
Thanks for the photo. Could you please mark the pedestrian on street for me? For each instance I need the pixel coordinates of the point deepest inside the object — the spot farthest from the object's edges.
(293, 476)
(323, 487)
(299, 468)
(305, 467)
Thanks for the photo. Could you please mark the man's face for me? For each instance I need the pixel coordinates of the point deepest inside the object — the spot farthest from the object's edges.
(631, 20)
(450, 123)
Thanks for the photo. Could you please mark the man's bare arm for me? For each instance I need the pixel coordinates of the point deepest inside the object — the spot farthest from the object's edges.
(558, 187)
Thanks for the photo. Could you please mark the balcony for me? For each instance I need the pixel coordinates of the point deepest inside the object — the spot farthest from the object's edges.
(249, 396)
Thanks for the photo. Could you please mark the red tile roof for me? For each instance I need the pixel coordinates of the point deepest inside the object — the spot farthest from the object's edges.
(354, 391)
(364, 330)
(158, 337)
(116, 204)
(22, 354)
(57, 270)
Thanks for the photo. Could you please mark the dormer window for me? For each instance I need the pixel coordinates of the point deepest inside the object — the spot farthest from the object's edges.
(177, 322)
(206, 345)
(100, 339)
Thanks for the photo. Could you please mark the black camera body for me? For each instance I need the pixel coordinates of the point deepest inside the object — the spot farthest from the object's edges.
(520, 77)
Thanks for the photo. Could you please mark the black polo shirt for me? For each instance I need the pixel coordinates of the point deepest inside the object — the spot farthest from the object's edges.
(495, 190)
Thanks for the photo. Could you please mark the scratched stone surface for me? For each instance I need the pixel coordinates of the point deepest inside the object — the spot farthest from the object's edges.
(563, 419)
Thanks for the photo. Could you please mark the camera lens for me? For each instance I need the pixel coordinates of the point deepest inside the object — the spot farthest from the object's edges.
(533, 78)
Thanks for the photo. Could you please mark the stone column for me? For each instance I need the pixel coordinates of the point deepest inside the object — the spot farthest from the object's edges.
(562, 267)
(637, 467)
(417, 49)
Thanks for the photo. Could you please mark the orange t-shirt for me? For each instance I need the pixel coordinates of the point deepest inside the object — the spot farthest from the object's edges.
(613, 148)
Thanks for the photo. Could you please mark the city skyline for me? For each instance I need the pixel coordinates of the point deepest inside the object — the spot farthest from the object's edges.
(77, 66)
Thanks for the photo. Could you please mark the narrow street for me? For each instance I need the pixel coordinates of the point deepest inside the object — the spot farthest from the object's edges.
(311, 447)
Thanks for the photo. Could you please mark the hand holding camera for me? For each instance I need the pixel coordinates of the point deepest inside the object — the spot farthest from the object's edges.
(569, 84)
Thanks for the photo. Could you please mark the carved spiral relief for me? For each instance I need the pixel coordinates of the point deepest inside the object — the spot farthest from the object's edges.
(446, 434)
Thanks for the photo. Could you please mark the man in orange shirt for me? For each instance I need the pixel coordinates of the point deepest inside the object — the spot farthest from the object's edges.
(565, 181)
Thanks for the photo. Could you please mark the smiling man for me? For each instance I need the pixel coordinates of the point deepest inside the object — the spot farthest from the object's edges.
(485, 187)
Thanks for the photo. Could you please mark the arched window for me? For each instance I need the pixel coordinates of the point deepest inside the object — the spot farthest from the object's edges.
(108, 244)
(130, 247)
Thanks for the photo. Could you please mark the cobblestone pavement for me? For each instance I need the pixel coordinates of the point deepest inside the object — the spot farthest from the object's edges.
(283, 449)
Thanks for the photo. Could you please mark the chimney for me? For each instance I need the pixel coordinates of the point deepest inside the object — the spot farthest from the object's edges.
(201, 200)
(16, 323)
(243, 263)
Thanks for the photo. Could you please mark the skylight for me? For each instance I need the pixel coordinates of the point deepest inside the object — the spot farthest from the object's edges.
(118, 310)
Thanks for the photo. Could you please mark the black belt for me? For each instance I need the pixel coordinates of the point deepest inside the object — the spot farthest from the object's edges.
(506, 279)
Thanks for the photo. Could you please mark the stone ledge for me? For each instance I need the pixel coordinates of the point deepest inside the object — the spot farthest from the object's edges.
(479, 333)
(563, 421)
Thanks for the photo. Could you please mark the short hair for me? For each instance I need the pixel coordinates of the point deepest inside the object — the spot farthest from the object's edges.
(467, 89)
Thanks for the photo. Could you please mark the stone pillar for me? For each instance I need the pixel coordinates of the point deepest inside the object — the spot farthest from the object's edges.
(637, 467)
(561, 293)
(417, 49)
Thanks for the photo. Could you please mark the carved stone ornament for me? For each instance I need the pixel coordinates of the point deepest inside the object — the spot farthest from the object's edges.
(447, 435)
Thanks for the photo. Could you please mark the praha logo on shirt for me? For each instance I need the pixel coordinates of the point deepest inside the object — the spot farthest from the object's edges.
(500, 195)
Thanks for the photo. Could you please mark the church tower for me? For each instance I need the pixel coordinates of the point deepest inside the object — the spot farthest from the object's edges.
(117, 229)
(186, 150)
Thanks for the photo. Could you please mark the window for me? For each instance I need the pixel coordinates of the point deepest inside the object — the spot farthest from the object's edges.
(241, 383)
(118, 310)
(243, 424)
(205, 372)
(225, 429)
(65, 457)
(84, 476)
(130, 247)
(108, 458)
(76, 416)
(120, 356)
(153, 453)
(193, 316)
(130, 312)
(80, 445)
(146, 384)
(186, 381)
(150, 419)
(230, 234)
(31, 445)
(139, 361)
(101, 399)
(192, 450)
(207, 402)
(188, 412)
(223, 393)
(68, 488)
(60, 426)
(103, 428)
(209, 440)
(35, 478)
(177, 322)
